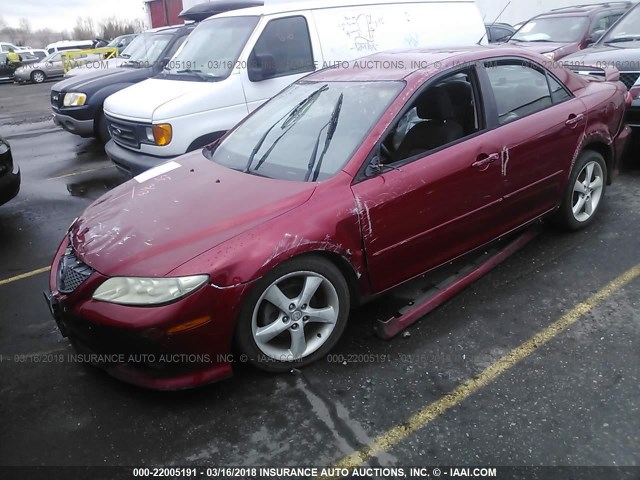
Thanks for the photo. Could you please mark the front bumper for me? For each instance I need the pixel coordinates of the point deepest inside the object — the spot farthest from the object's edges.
(9, 184)
(632, 116)
(84, 128)
(22, 76)
(132, 163)
(134, 344)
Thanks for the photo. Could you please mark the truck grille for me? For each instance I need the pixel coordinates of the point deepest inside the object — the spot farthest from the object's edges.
(629, 78)
(71, 272)
(57, 99)
(126, 134)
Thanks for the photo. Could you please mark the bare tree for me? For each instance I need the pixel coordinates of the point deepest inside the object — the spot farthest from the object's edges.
(84, 29)
(113, 27)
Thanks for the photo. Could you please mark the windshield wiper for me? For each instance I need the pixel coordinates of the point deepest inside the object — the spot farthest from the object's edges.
(194, 73)
(332, 125)
(290, 119)
(622, 39)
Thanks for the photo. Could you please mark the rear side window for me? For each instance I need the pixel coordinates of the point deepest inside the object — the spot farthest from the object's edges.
(519, 89)
(287, 41)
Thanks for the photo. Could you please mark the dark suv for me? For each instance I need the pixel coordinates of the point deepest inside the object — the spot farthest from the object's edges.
(564, 31)
(77, 102)
(618, 48)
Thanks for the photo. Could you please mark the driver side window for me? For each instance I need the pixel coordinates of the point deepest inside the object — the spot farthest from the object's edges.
(443, 114)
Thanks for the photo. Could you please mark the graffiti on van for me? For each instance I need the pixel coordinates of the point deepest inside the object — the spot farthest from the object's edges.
(362, 30)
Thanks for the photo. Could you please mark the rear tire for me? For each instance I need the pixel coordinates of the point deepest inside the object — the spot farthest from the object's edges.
(38, 77)
(584, 194)
(294, 315)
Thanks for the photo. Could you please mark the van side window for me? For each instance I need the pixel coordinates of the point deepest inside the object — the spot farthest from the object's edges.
(286, 45)
(443, 114)
(520, 89)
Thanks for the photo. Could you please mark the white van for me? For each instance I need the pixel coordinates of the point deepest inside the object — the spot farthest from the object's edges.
(69, 45)
(233, 62)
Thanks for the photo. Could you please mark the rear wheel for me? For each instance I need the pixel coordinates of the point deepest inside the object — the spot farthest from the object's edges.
(38, 77)
(294, 316)
(584, 193)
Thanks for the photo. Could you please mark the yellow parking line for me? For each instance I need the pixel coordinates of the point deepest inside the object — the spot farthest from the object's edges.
(24, 275)
(430, 412)
(81, 172)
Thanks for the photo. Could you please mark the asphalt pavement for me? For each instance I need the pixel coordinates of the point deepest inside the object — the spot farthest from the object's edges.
(572, 397)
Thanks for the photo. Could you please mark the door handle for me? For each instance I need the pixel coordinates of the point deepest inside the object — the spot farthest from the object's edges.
(485, 160)
(574, 120)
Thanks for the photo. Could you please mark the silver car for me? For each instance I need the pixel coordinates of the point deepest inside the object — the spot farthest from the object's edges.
(50, 67)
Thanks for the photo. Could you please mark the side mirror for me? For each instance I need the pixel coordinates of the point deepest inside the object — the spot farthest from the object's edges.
(374, 168)
(595, 36)
(261, 67)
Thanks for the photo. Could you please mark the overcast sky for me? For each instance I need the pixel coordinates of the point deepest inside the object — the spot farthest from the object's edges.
(62, 14)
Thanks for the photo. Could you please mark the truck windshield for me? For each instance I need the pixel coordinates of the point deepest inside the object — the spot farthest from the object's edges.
(212, 49)
(145, 49)
(552, 29)
(626, 30)
(308, 132)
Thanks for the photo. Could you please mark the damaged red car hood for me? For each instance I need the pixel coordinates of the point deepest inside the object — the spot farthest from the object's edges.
(163, 218)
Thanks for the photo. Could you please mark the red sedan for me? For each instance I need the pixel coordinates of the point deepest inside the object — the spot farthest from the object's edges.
(345, 185)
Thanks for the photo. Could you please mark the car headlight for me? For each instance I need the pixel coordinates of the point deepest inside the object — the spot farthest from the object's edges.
(147, 291)
(550, 55)
(74, 99)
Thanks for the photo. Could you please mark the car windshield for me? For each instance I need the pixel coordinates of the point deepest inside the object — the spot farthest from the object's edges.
(552, 29)
(212, 49)
(116, 41)
(308, 132)
(145, 49)
(626, 30)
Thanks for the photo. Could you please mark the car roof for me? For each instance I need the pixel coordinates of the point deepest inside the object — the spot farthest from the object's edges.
(585, 10)
(301, 5)
(395, 65)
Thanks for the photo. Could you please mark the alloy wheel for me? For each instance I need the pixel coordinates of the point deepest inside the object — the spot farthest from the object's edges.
(295, 316)
(587, 191)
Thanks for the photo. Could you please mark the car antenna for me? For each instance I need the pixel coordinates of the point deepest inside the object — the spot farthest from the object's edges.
(494, 22)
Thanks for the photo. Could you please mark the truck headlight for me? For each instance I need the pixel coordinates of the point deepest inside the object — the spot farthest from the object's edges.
(147, 291)
(74, 99)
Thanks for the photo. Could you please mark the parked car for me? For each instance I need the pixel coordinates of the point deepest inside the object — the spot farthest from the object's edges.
(121, 42)
(7, 69)
(235, 61)
(77, 103)
(618, 48)
(564, 31)
(499, 32)
(9, 173)
(323, 199)
(51, 67)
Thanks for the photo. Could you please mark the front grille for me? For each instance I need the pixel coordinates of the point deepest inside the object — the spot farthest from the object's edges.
(57, 99)
(125, 133)
(71, 272)
(629, 78)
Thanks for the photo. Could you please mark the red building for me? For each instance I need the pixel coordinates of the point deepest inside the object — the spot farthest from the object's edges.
(163, 12)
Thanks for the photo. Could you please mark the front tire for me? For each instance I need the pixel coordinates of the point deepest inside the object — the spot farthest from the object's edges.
(585, 192)
(294, 316)
(38, 77)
